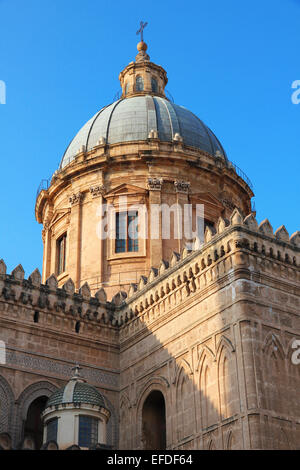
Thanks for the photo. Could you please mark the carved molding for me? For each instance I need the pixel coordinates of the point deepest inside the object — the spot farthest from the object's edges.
(182, 186)
(97, 191)
(76, 198)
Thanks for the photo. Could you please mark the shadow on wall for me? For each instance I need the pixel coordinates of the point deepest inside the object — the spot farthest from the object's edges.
(182, 404)
(236, 389)
(188, 380)
(189, 402)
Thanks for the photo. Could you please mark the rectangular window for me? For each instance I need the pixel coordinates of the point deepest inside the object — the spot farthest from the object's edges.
(127, 232)
(88, 431)
(61, 254)
(52, 430)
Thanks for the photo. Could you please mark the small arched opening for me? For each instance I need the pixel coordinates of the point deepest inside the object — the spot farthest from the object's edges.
(77, 327)
(33, 427)
(154, 422)
(154, 85)
(139, 83)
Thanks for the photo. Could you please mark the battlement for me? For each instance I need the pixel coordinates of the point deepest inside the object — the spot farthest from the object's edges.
(31, 303)
(236, 245)
(182, 275)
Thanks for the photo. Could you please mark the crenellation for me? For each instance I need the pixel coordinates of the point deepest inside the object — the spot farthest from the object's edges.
(18, 273)
(266, 228)
(214, 266)
(282, 234)
(236, 217)
(295, 239)
(3, 268)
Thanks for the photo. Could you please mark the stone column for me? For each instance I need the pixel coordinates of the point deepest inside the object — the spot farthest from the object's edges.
(74, 259)
(98, 193)
(155, 186)
(182, 189)
(46, 236)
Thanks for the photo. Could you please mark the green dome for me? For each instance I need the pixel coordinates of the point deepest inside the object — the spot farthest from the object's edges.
(81, 393)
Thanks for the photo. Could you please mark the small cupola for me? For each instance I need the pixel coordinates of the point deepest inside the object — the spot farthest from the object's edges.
(76, 415)
(143, 77)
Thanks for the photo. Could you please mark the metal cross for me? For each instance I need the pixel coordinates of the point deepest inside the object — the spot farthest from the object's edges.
(76, 369)
(141, 30)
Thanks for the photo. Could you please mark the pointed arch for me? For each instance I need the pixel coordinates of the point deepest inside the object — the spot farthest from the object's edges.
(293, 371)
(224, 342)
(211, 445)
(229, 441)
(184, 365)
(31, 393)
(275, 374)
(272, 343)
(159, 384)
(203, 351)
(227, 380)
(112, 429)
(185, 401)
(125, 423)
(124, 400)
(209, 404)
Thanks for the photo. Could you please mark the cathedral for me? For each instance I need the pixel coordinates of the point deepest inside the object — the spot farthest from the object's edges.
(165, 316)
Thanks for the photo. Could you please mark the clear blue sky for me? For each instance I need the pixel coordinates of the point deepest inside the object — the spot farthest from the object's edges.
(230, 62)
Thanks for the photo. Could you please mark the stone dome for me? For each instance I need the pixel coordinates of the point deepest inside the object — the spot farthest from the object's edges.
(76, 391)
(132, 119)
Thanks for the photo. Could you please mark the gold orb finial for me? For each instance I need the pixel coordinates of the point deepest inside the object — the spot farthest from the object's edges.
(142, 46)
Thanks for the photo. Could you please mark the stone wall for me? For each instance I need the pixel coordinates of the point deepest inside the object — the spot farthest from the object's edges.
(46, 331)
(213, 331)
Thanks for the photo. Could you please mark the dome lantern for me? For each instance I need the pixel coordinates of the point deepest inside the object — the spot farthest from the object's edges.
(77, 406)
(143, 77)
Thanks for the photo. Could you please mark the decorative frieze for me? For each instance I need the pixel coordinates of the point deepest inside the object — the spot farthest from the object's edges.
(34, 362)
(155, 184)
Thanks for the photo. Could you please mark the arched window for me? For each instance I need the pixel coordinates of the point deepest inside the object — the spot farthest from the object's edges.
(33, 427)
(126, 88)
(36, 317)
(154, 85)
(139, 83)
(154, 422)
